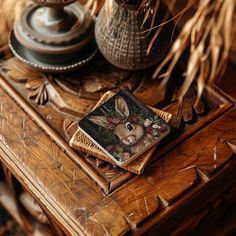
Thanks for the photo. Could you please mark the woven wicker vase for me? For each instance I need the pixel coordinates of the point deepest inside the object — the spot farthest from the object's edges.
(121, 40)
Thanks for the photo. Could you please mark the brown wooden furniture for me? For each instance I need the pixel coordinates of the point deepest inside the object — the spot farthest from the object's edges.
(50, 188)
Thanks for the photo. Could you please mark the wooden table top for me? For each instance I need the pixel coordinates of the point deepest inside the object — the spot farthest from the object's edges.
(86, 197)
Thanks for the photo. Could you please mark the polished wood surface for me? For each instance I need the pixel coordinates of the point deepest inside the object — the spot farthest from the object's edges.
(78, 196)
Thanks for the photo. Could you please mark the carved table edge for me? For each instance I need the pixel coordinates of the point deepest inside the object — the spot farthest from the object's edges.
(53, 135)
(39, 193)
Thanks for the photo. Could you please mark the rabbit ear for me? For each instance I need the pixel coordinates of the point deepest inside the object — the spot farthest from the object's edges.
(100, 120)
(121, 107)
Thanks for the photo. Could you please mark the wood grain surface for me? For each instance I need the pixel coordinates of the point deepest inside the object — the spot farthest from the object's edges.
(78, 92)
(188, 165)
(33, 156)
(81, 196)
(44, 164)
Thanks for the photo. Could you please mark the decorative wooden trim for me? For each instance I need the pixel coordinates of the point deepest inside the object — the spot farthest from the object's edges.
(54, 136)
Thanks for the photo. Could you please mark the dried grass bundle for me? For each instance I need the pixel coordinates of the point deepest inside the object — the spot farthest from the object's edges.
(208, 35)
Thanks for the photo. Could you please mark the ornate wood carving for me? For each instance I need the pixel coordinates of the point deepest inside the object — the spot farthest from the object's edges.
(67, 185)
(75, 97)
(38, 90)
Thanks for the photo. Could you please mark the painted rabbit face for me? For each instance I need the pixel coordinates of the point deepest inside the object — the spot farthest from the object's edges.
(128, 132)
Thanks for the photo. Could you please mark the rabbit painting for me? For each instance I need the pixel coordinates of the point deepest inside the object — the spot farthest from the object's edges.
(129, 133)
(133, 127)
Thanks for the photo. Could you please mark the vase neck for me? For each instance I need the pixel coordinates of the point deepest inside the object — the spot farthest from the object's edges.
(130, 4)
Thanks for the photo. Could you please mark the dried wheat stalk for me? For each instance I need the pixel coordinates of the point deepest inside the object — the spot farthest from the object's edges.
(208, 34)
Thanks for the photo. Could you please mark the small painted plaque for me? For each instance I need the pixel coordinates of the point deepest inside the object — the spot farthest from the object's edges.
(124, 128)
